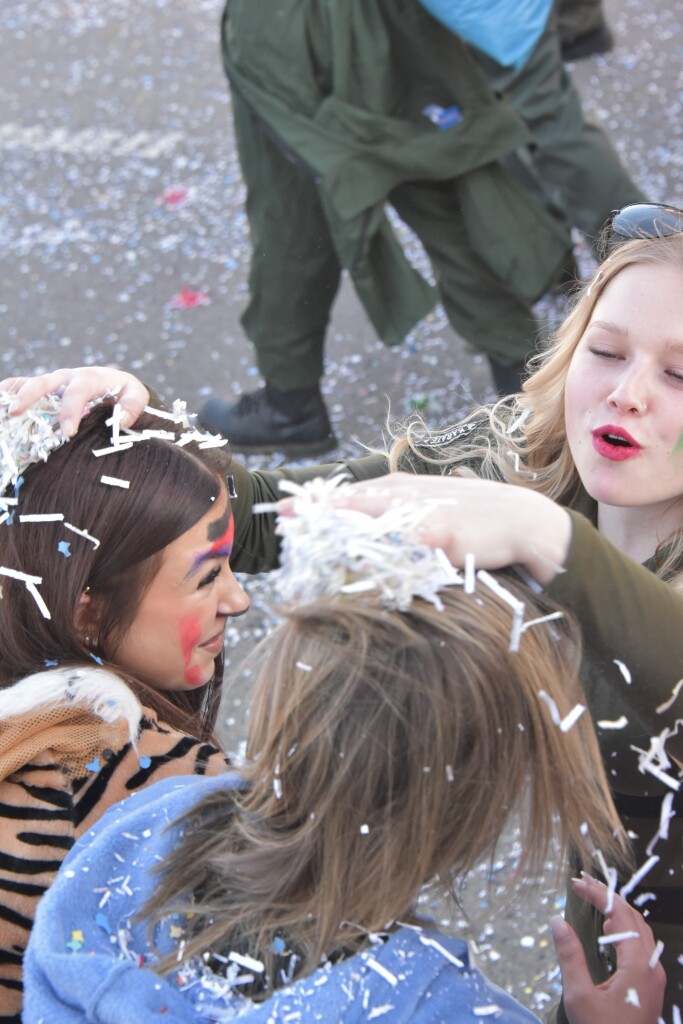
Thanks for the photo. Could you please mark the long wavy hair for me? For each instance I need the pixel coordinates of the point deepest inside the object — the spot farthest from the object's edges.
(171, 488)
(522, 438)
(387, 751)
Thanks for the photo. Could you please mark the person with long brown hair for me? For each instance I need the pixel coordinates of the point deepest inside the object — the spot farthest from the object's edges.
(401, 718)
(116, 589)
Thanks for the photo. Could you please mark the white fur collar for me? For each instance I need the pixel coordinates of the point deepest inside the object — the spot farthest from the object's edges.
(100, 691)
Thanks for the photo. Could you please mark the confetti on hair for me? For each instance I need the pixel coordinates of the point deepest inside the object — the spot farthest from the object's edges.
(64, 548)
(327, 551)
(31, 583)
(83, 533)
(516, 424)
(112, 449)
(114, 481)
(623, 669)
(541, 619)
(566, 723)
(514, 602)
(242, 960)
(42, 517)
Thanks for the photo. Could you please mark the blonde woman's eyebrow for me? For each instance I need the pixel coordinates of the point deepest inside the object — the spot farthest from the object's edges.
(607, 325)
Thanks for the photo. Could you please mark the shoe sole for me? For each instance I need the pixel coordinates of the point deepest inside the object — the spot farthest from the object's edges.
(293, 451)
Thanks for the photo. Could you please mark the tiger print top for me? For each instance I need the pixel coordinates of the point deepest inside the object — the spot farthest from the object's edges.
(72, 743)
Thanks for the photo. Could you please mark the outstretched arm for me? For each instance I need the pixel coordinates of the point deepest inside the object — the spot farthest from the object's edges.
(78, 386)
(624, 610)
(498, 523)
(635, 992)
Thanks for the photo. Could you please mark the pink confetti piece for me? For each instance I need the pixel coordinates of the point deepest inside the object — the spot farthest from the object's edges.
(174, 196)
(188, 299)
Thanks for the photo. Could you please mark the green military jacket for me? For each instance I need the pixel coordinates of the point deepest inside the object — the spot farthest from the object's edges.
(342, 86)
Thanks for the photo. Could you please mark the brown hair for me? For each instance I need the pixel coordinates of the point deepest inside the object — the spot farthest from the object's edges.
(387, 750)
(171, 488)
(536, 454)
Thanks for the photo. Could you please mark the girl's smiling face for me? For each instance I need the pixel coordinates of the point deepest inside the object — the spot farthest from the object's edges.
(624, 393)
(178, 629)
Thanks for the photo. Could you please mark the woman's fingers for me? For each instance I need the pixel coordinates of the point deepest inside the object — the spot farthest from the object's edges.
(634, 994)
(78, 386)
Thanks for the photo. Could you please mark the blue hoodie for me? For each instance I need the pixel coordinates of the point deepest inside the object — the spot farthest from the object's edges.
(87, 959)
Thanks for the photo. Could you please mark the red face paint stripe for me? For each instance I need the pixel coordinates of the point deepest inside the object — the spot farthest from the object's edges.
(224, 543)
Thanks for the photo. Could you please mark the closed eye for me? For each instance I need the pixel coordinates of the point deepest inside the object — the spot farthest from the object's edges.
(210, 577)
(603, 352)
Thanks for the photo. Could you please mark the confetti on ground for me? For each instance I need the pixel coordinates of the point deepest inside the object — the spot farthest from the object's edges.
(187, 299)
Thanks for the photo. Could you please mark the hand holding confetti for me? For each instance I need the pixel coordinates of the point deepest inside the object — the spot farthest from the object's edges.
(78, 386)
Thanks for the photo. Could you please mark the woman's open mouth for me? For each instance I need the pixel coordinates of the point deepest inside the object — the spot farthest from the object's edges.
(615, 444)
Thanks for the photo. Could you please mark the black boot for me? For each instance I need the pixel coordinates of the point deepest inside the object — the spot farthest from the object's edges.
(597, 40)
(508, 379)
(269, 420)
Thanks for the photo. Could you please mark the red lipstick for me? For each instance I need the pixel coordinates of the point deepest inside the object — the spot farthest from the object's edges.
(615, 443)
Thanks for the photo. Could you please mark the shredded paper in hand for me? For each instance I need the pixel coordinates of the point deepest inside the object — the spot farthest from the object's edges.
(27, 438)
(328, 551)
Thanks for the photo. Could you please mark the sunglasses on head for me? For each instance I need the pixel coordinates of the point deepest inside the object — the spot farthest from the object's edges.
(640, 220)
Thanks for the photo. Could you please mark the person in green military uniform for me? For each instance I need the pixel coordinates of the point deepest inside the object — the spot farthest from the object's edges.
(340, 109)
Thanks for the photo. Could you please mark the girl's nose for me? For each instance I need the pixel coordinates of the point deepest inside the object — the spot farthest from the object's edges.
(234, 600)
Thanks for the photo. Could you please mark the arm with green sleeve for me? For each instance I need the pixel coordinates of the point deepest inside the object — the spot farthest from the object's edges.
(256, 543)
(630, 616)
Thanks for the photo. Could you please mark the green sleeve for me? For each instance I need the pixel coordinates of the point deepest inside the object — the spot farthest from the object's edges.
(627, 615)
(256, 544)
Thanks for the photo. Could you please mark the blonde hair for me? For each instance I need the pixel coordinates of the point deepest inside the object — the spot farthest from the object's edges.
(522, 439)
(387, 750)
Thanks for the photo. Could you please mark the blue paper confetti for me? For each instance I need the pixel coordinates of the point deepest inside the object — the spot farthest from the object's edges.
(94, 765)
(145, 761)
(64, 548)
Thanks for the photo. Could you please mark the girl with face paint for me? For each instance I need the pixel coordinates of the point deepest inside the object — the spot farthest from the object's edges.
(116, 590)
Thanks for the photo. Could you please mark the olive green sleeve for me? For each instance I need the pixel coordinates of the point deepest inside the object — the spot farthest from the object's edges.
(628, 616)
(256, 544)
